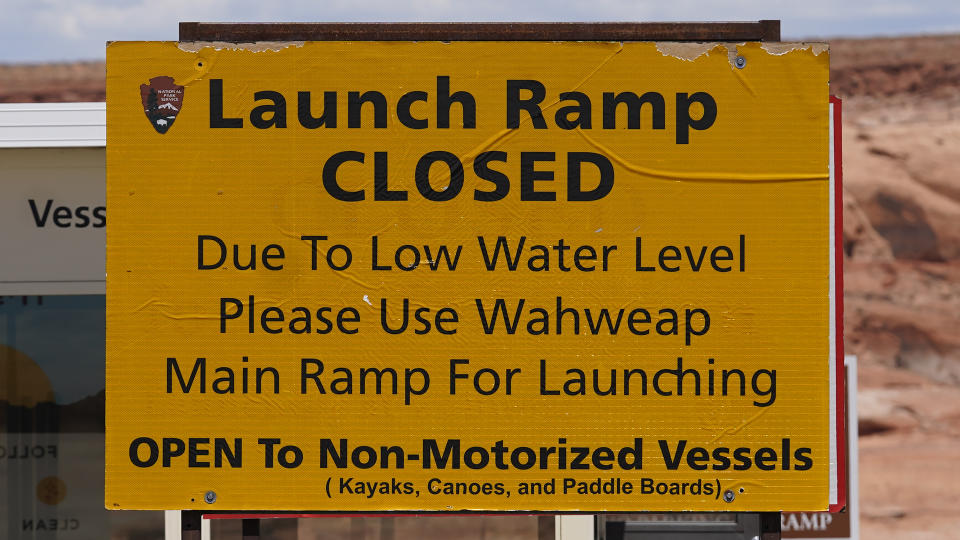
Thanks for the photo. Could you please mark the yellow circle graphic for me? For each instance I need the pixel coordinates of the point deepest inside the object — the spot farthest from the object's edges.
(51, 490)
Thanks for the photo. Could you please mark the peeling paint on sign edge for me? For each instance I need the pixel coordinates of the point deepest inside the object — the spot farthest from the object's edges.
(685, 50)
(689, 52)
(779, 49)
(252, 46)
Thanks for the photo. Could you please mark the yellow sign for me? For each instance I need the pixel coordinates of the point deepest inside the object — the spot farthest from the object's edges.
(468, 276)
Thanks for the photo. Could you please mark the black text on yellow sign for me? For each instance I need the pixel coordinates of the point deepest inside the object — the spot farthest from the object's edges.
(467, 276)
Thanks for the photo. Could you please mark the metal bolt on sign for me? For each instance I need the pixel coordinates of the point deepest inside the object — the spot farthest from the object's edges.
(740, 62)
(729, 495)
(210, 497)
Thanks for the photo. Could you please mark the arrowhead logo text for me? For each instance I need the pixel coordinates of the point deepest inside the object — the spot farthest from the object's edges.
(162, 100)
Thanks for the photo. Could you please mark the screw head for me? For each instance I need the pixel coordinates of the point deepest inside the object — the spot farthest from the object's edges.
(740, 62)
(729, 495)
(210, 497)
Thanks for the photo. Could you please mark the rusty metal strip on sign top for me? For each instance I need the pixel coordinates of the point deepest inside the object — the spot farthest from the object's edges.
(763, 30)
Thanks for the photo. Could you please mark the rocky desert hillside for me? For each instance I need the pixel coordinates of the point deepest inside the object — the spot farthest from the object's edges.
(901, 137)
(38, 83)
(901, 144)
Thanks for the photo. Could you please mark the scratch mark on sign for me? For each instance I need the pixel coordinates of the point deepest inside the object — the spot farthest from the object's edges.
(150, 303)
(736, 429)
(738, 73)
(504, 135)
(704, 176)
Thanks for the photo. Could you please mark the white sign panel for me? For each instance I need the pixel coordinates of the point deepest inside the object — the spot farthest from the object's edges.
(53, 218)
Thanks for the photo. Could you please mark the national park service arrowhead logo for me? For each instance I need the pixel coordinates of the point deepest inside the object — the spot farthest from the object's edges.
(162, 100)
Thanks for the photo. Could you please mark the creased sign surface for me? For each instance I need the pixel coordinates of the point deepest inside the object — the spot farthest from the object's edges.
(489, 276)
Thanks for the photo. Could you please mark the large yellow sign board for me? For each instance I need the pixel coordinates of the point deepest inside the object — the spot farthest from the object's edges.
(485, 276)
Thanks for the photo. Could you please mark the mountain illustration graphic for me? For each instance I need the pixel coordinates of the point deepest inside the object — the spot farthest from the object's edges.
(85, 415)
(168, 106)
(28, 403)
